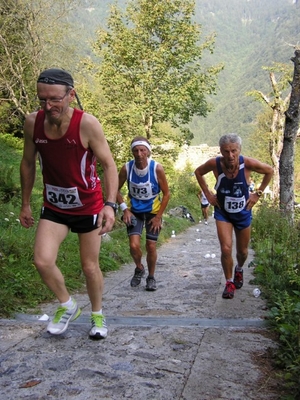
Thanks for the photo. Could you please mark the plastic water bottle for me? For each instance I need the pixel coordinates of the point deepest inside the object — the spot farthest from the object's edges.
(173, 234)
(256, 292)
(133, 220)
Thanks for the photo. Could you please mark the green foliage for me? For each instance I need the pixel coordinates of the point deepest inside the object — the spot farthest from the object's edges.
(151, 72)
(258, 140)
(183, 180)
(277, 242)
(19, 286)
(34, 35)
(8, 188)
(40, 34)
(12, 142)
(9, 169)
(249, 35)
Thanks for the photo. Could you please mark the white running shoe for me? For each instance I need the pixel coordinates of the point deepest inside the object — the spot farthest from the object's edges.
(62, 318)
(99, 328)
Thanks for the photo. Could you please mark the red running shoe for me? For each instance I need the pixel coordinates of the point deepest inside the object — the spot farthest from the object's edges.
(229, 290)
(238, 278)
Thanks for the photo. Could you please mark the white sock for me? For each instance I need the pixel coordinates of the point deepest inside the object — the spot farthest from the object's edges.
(230, 280)
(239, 268)
(97, 312)
(69, 304)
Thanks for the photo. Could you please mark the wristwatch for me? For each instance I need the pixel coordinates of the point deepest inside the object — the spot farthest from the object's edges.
(259, 192)
(114, 206)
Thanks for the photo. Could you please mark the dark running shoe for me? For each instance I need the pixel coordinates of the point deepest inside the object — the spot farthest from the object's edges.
(138, 274)
(238, 278)
(150, 284)
(229, 290)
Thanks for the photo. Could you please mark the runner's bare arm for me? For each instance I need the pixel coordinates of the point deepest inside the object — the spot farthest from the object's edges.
(203, 169)
(252, 164)
(92, 136)
(162, 181)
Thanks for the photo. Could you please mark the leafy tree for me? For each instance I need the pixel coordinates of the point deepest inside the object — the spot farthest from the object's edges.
(150, 71)
(258, 140)
(33, 36)
(14, 62)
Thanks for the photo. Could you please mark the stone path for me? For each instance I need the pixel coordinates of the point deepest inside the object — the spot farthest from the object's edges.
(182, 342)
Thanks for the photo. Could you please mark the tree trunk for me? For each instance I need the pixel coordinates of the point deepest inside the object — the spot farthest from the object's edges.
(278, 106)
(286, 162)
(275, 142)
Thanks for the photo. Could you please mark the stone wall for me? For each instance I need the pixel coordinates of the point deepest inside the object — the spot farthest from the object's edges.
(195, 155)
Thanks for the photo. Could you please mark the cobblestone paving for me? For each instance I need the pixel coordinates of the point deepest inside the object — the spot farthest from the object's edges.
(182, 342)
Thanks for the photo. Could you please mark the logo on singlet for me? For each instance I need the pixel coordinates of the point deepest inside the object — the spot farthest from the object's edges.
(238, 189)
(41, 140)
(70, 144)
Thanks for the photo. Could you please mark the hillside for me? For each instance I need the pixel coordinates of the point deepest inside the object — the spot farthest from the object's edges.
(251, 34)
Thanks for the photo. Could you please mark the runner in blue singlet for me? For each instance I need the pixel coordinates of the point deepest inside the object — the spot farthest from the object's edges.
(232, 197)
(146, 181)
(233, 203)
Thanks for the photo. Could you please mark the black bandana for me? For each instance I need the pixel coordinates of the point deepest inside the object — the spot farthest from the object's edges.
(55, 76)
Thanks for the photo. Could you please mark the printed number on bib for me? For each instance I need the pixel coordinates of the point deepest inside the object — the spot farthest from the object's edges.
(234, 204)
(141, 191)
(64, 198)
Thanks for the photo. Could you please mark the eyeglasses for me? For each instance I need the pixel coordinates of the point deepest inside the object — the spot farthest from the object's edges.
(54, 101)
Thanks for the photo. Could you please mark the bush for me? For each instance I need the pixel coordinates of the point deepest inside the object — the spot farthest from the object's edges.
(8, 187)
(276, 242)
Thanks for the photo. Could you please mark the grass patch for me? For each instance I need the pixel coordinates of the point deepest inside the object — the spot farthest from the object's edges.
(276, 241)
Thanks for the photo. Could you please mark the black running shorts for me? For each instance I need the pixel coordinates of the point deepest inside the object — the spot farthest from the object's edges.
(77, 223)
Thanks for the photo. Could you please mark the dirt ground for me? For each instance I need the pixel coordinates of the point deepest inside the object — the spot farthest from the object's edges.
(182, 342)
